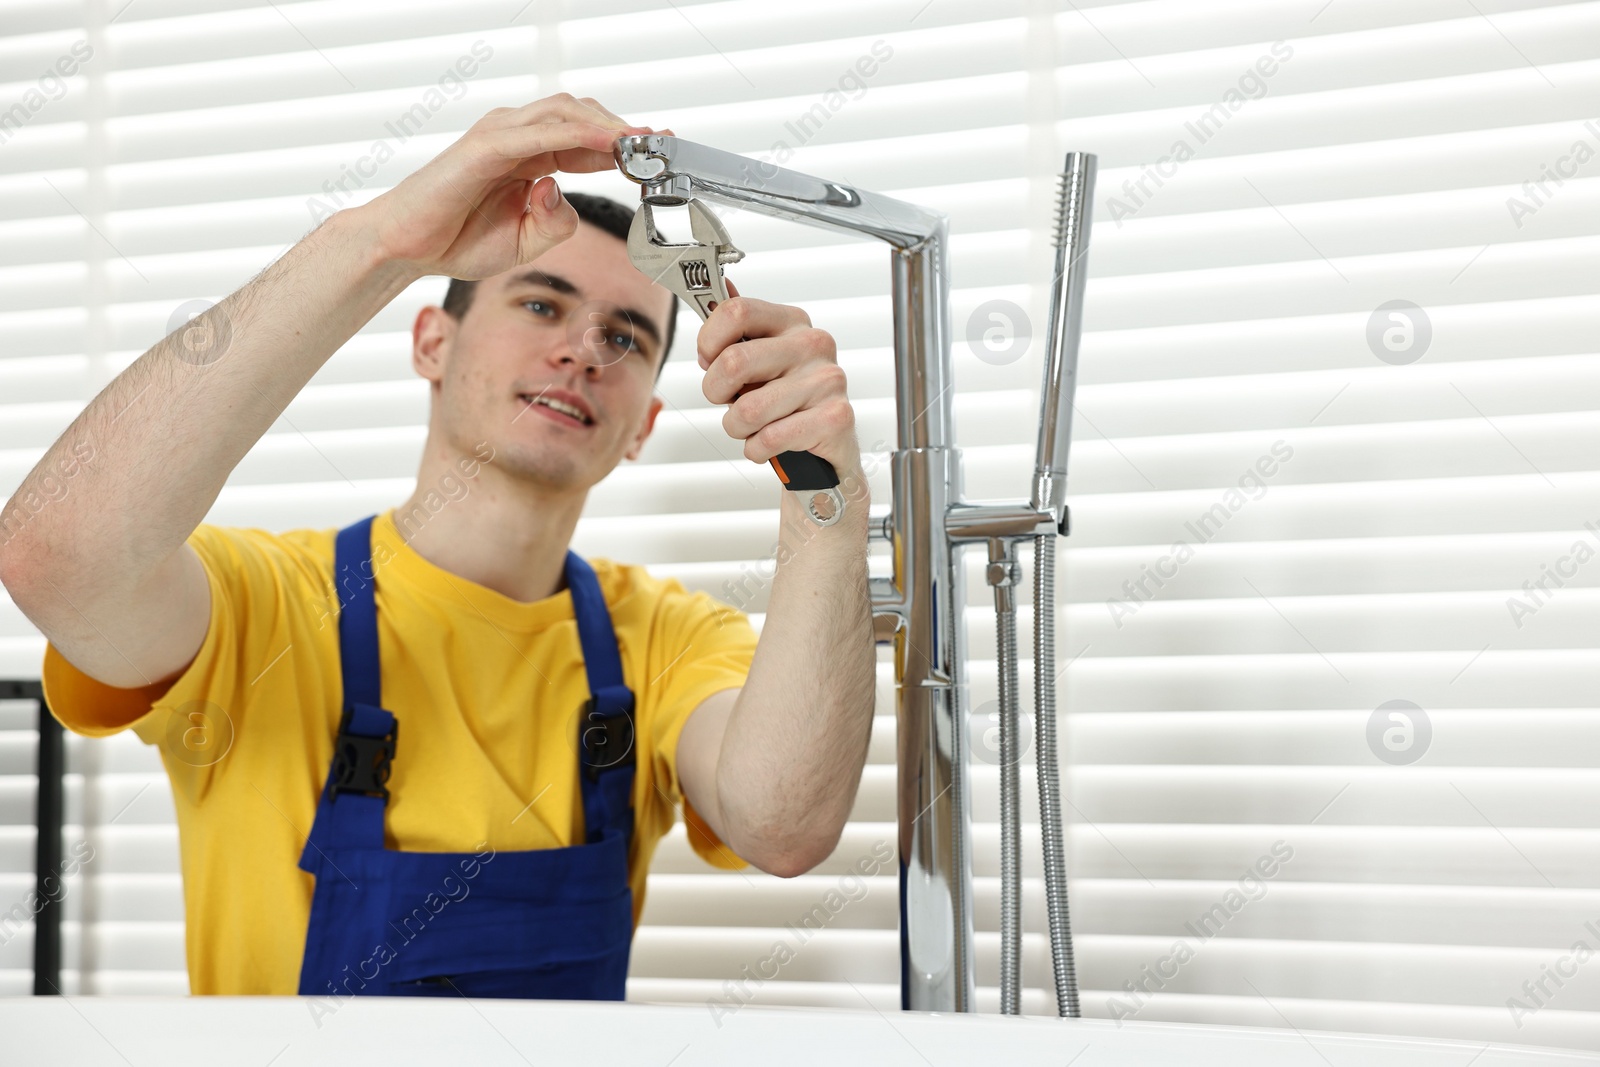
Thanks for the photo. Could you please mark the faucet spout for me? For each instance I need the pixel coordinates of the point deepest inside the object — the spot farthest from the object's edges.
(672, 170)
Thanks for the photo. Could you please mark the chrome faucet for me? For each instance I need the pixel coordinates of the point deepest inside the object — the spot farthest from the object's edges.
(919, 610)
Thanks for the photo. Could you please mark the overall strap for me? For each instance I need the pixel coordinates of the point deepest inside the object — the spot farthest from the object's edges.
(606, 740)
(350, 811)
(358, 613)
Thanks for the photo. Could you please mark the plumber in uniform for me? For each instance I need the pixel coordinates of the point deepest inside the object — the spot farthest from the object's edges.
(433, 752)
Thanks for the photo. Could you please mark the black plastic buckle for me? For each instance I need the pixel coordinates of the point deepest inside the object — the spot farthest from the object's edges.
(362, 764)
(604, 741)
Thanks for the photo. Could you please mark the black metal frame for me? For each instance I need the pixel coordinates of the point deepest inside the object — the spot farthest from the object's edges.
(49, 814)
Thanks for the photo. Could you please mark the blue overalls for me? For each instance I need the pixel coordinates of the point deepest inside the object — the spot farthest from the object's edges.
(542, 923)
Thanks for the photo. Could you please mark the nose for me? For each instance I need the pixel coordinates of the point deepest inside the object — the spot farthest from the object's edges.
(570, 354)
(565, 356)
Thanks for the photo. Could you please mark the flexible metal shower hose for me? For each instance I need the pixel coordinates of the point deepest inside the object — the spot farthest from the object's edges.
(1044, 716)
(1010, 819)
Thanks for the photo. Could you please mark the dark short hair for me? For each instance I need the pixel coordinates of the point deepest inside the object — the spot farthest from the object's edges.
(599, 211)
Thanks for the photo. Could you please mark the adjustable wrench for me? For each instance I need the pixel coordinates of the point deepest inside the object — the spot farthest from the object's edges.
(694, 272)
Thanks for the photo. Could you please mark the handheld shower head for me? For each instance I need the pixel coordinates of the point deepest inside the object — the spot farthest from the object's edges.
(1074, 209)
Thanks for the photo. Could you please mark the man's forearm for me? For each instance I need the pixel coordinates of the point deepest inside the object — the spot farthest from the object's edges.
(795, 743)
(166, 432)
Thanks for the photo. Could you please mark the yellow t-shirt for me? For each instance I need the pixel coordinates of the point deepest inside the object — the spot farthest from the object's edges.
(486, 690)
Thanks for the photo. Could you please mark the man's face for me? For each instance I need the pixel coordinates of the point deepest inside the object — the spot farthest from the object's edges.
(578, 328)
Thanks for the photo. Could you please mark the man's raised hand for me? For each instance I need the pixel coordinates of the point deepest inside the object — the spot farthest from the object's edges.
(488, 202)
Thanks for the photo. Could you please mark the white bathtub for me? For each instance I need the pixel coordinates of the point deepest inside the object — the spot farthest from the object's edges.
(286, 1031)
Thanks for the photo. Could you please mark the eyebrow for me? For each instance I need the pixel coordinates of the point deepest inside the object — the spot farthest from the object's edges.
(562, 285)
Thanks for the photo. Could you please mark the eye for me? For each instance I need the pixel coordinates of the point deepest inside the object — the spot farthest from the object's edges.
(625, 341)
(616, 334)
(539, 307)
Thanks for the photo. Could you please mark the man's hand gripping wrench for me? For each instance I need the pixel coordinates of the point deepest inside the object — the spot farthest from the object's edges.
(694, 272)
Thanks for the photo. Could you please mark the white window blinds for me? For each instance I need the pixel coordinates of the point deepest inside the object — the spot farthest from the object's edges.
(1336, 422)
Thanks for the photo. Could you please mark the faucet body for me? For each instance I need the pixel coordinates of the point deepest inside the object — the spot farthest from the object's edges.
(919, 610)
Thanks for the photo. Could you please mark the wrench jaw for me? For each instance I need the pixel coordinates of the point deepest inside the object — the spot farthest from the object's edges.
(692, 271)
(709, 230)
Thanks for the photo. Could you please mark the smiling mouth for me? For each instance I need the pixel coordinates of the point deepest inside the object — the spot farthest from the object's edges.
(558, 406)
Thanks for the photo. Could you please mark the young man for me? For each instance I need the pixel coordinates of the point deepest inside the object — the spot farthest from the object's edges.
(553, 712)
